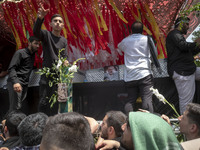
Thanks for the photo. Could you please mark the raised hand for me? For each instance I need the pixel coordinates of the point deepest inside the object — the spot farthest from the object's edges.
(42, 12)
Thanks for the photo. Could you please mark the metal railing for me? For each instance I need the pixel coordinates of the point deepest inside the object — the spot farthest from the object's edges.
(175, 127)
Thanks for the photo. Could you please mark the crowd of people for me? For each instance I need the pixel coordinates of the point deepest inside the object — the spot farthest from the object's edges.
(48, 130)
(72, 131)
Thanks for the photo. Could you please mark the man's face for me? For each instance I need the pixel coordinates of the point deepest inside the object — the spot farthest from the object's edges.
(104, 128)
(111, 70)
(57, 24)
(185, 27)
(34, 46)
(126, 140)
(184, 123)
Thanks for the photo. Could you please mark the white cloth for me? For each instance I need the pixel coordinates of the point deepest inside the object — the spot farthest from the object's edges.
(191, 145)
(136, 57)
(185, 86)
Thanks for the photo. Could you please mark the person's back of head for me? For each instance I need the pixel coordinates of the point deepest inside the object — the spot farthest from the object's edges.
(137, 27)
(31, 129)
(182, 24)
(13, 119)
(116, 119)
(180, 20)
(194, 114)
(67, 131)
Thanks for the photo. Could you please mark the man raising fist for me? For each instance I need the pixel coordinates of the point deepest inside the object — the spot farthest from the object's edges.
(52, 42)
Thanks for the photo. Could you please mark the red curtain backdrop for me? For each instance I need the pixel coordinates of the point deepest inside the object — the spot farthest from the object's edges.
(93, 28)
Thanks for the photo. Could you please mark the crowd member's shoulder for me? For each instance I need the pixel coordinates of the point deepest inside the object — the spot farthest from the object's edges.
(191, 145)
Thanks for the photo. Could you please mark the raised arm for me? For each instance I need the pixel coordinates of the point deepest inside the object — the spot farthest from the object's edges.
(183, 45)
(40, 17)
(42, 12)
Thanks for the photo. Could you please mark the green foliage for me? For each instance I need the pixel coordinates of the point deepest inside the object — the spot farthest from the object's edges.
(180, 138)
(197, 62)
(195, 9)
(53, 99)
(196, 35)
(60, 72)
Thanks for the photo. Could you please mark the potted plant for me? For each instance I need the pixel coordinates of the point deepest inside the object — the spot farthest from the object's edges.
(61, 74)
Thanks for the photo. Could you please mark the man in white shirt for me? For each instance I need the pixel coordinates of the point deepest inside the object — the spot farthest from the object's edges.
(137, 74)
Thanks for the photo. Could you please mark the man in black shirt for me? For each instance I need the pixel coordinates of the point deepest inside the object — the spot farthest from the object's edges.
(10, 124)
(19, 71)
(52, 42)
(181, 66)
(111, 127)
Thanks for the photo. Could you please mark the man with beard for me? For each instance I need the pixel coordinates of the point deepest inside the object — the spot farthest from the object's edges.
(111, 127)
(180, 63)
(19, 71)
(145, 131)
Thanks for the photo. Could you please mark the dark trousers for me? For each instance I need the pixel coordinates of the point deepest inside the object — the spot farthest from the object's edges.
(4, 103)
(45, 94)
(139, 87)
(17, 99)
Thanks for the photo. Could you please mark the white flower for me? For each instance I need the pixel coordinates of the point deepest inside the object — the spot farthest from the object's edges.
(158, 95)
(161, 98)
(73, 68)
(59, 64)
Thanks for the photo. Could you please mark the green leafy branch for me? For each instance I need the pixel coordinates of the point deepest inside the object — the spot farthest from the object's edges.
(60, 72)
(195, 9)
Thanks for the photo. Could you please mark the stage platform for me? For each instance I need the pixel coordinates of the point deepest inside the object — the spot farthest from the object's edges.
(94, 99)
